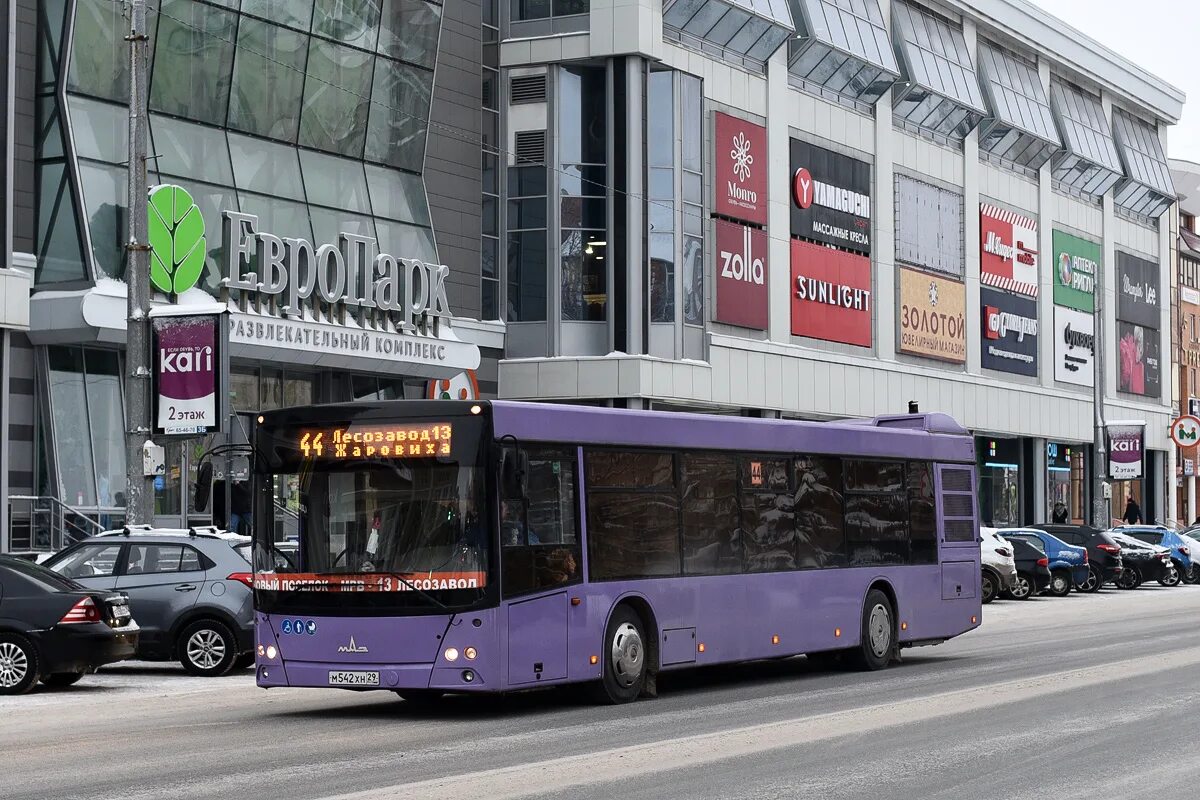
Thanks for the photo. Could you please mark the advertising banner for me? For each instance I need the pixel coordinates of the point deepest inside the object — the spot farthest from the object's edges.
(741, 159)
(1138, 361)
(741, 275)
(1074, 347)
(932, 317)
(1125, 447)
(1010, 332)
(1137, 290)
(929, 226)
(1008, 250)
(831, 294)
(831, 197)
(186, 374)
(1076, 270)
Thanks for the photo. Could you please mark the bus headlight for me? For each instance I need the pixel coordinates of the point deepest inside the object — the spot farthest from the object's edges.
(271, 651)
(451, 654)
(470, 653)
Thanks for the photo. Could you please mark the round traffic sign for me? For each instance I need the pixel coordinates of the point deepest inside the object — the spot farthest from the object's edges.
(1185, 431)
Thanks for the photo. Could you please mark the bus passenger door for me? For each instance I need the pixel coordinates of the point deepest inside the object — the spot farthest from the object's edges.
(537, 640)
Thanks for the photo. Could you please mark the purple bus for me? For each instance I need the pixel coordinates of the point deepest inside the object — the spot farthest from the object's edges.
(427, 547)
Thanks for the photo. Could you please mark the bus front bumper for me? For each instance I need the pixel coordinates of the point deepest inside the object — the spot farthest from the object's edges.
(463, 677)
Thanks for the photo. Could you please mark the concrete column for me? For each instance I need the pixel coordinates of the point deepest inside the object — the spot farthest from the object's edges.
(883, 248)
(970, 189)
(1190, 483)
(1038, 465)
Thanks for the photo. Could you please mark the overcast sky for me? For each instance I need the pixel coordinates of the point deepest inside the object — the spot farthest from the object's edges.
(1160, 36)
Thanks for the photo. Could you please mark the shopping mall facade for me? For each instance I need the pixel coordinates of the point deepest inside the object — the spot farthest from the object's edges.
(799, 208)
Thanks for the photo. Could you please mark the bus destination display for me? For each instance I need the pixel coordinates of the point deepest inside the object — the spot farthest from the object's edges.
(382, 441)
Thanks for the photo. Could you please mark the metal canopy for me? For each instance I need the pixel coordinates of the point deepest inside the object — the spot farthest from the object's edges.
(942, 95)
(744, 29)
(842, 46)
(1021, 126)
(1147, 187)
(1088, 162)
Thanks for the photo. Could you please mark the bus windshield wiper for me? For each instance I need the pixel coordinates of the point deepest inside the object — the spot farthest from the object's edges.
(418, 590)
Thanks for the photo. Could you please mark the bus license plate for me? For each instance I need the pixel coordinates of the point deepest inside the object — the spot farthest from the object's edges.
(341, 678)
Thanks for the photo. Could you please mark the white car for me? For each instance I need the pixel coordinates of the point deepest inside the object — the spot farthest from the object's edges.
(999, 567)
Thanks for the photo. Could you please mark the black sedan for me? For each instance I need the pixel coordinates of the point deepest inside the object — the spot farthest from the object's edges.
(1104, 554)
(54, 630)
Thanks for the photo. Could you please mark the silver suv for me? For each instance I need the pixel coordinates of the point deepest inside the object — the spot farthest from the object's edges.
(189, 590)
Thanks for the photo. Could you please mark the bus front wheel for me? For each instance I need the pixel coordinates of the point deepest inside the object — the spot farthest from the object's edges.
(624, 658)
(878, 639)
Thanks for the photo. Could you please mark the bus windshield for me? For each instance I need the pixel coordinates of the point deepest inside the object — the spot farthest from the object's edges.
(372, 532)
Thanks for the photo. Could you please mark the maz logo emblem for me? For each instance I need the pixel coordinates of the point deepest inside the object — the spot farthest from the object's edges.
(352, 648)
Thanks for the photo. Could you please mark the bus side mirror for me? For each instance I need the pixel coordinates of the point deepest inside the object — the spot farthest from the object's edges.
(514, 472)
(204, 479)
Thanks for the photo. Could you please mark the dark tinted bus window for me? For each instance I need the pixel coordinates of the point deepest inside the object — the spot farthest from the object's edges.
(820, 533)
(611, 469)
(876, 513)
(540, 540)
(922, 513)
(711, 542)
(768, 525)
(632, 532)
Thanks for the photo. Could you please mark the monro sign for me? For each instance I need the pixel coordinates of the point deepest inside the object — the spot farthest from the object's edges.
(350, 271)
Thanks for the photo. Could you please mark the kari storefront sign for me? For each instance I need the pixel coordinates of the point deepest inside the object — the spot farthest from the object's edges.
(741, 160)
(1138, 282)
(932, 317)
(1076, 270)
(1125, 449)
(831, 197)
(186, 374)
(1010, 332)
(1139, 360)
(1008, 250)
(1074, 346)
(831, 294)
(741, 275)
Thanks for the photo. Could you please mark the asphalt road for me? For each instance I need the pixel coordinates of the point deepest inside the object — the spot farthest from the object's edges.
(1084, 697)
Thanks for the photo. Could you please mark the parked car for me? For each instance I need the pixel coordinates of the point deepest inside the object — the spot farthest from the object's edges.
(1143, 562)
(999, 570)
(1192, 534)
(55, 630)
(1033, 569)
(1068, 562)
(1180, 546)
(190, 591)
(1104, 555)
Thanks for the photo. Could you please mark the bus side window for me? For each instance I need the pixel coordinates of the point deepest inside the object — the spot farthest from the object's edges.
(711, 544)
(541, 544)
(819, 510)
(922, 513)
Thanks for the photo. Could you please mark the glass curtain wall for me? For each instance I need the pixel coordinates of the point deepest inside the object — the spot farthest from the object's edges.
(312, 114)
(583, 217)
(490, 211)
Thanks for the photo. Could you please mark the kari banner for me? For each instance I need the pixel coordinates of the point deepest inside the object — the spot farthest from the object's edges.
(186, 375)
(1125, 449)
(1008, 257)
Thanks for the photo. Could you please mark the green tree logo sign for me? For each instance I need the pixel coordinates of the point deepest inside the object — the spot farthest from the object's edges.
(177, 244)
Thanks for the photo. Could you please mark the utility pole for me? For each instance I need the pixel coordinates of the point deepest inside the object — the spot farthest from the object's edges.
(138, 488)
(1100, 505)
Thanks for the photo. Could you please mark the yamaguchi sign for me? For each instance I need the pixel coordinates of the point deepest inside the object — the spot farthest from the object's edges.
(1076, 270)
(932, 317)
(1010, 332)
(831, 197)
(831, 294)
(1125, 447)
(1008, 250)
(741, 161)
(186, 374)
(741, 279)
(1074, 346)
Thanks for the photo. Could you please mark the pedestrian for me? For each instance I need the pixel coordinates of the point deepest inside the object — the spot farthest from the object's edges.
(1133, 513)
(1060, 516)
(1197, 520)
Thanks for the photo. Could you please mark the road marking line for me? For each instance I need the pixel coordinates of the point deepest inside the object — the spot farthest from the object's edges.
(623, 763)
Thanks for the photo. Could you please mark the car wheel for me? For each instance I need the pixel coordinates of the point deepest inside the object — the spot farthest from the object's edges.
(1192, 575)
(623, 657)
(207, 648)
(61, 679)
(1129, 578)
(244, 661)
(1060, 583)
(1092, 583)
(1022, 588)
(1170, 577)
(987, 588)
(18, 664)
(878, 639)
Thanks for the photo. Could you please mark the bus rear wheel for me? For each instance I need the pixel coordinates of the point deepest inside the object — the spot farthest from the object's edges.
(878, 640)
(624, 658)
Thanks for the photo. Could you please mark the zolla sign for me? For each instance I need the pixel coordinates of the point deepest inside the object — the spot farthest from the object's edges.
(350, 272)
